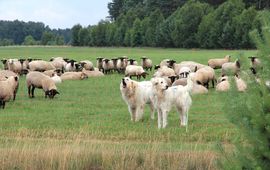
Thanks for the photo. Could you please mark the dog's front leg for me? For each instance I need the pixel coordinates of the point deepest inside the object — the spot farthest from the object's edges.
(159, 118)
(164, 117)
(132, 111)
(139, 113)
(152, 108)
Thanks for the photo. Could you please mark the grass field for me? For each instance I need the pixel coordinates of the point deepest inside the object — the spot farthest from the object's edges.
(88, 125)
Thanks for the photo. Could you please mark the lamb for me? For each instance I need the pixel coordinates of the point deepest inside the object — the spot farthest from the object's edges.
(40, 65)
(99, 63)
(39, 80)
(204, 75)
(218, 62)
(94, 73)
(133, 70)
(231, 68)
(107, 65)
(164, 71)
(255, 62)
(73, 76)
(146, 63)
(8, 89)
(240, 83)
(87, 65)
(223, 84)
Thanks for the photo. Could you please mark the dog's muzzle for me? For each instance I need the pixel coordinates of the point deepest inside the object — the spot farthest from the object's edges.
(166, 87)
(124, 83)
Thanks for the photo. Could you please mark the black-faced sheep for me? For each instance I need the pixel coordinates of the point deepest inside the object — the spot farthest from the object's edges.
(40, 65)
(39, 80)
(218, 62)
(231, 68)
(223, 84)
(146, 63)
(107, 65)
(137, 71)
(73, 76)
(8, 89)
(87, 65)
(99, 63)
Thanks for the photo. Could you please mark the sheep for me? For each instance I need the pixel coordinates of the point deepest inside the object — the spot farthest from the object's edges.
(40, 65)
(132, 62)
(115, 64)
(49, 73)
(8, 89)
(133, 70)
(191, 64)
(59, 63)
(5, 63)
(87, 65)
(164, 62)
(218, 62)
(71, 66)
(240, 83)
(57, 79)
(184, 72)
(25, 65)
(95, 73)
(204, 75)
(121, 64)
(223, 84)
(164, 71)
(14, 65)
(107, 65)
(230, 68)
(146, 63)
(255, 62)
(99, 63)
(39, 80)
(73, 76)
(181, 81)
(4, 74)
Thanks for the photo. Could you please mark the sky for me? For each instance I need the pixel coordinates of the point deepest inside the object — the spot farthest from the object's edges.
(55, 13)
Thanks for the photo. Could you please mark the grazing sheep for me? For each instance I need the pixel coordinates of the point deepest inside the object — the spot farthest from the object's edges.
(137, 95)
(59, 63)
(164, 71)
(56, 79)
(107, 65)
(94, 73)
(191, 64)
(99, 63)
(73, 76)
(146, 63)
(121, 64)
(40, 65)
(87, 65)
(204, 75)
(184, 72)
(71, 66)
(164, 62)
(223, 84)
(255, 62)
(231, 68)
(218, 62)
(240, 83)
(8, 89)
(39, 80)
(133, 70)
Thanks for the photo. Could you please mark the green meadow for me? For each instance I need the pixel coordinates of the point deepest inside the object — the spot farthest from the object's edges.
(88, 125)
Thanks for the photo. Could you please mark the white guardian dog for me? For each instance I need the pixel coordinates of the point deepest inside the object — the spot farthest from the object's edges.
(136, 95)
(165, 97)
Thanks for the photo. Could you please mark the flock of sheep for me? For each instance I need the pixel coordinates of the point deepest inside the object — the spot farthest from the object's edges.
(172, 82)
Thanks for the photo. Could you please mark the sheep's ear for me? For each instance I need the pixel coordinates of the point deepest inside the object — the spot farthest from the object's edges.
(16, 78)
(6, 77)
(196, 69)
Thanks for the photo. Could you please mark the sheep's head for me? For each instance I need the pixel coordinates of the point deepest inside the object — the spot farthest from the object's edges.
(4, 61)
(157, 67)
(237, 64)
(252, 58)
(171, 62)
(184, 72)
(21, 60)
(228, 57)
(99, 59)
(106, 60)
(143, 58)
(173, 78)
(51, 93)
(159, 83)
(83, 76)
(253, 70)
(131, 61)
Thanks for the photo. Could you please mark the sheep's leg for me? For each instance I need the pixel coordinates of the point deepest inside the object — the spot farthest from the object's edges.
(33, 90)
(213, 83)
(165, 115)
(29, 91)
(150, 68)
(14, 93)
(159, 118)
(3, 104)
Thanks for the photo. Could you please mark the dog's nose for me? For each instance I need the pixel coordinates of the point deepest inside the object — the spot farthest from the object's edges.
(167, 87)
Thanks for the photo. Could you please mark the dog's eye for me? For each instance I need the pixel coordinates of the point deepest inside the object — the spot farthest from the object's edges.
(162, 82)
(156, 83)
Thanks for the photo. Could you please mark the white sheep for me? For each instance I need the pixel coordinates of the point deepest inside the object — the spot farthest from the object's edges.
(121, 64)
(164, 62)
(146, 63)
(73, 76)
(57, 79)
(71, 66)
(164, 71)
(107, 65)
(255, 62)
(223, 84)
(230, 68)
(184, 72)
(99, 63)
(132, 62)
(240, 84)
(94, 73)
(39, 80)
(132, 70)
(40, 65)
(59, 63)
(204, 75)
(8, 89)
(216, 63)
(14, 65)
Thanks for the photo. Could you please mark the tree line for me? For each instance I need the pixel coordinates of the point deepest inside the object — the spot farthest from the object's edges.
(32, 33)
(170, 23)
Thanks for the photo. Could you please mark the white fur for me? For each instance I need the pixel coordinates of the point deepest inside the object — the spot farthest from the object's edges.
(136, 95)
(165, 97)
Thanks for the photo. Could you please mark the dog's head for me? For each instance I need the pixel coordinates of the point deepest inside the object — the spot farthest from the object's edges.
(159, 83)
(127, 83)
